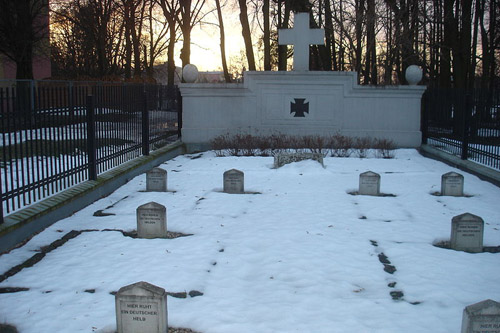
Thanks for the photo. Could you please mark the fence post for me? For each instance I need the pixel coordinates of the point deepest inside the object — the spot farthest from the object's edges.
(145, 125)
(91, 149)
(465, 126)
(179, 112)
(1, 201)
(423, 111)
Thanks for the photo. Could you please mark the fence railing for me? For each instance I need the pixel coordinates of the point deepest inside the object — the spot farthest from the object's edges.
(55, 135)
(464, 123)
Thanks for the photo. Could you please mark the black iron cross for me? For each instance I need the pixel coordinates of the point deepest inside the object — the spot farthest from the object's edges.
(299, 107)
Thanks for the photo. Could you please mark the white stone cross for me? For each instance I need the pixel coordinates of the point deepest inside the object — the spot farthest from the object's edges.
(301, 36)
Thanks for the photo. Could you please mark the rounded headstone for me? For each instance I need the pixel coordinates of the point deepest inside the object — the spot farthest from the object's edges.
(413, 75)
(190, 73)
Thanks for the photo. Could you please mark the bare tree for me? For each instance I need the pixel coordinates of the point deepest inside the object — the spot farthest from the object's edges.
(24, 26)
(190, 15)
(247, 35)
(171, 10)
(227, 77)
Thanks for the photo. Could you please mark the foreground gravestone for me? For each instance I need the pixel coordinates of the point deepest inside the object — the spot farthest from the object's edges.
(452, 184)
(141, 307)
(286, 158)
(482, 317)
(234, 181)
(369, 183)
(156, 180)
(467, 233)
(152, 221)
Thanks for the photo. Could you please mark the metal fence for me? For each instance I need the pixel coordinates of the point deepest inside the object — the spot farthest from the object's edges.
(464, 123)
(55, 134)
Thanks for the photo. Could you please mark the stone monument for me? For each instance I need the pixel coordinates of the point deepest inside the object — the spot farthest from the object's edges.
(152, 221)
(141, 307)
(467, 233)
(452, 184)
(301, 36)
(369, 183)
(483, 317)
(301, 102)
(234, 181)
(156, 180)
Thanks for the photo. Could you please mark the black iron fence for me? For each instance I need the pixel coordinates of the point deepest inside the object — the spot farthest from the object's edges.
(55, 135)
(464, 123)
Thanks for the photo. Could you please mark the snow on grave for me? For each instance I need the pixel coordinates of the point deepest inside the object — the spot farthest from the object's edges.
(286, 158)
(234, 181)
(481, 317)
(369, 183)
(141, 307)
(156, 180)
(452, 184)
(467, 233)
(152, 221)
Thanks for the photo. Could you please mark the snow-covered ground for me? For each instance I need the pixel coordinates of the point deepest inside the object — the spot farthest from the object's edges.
(301, 255)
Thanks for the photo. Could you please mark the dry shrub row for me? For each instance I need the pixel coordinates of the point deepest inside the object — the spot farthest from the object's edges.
(336, 145)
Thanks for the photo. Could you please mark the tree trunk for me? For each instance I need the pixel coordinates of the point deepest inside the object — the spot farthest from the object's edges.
(186, 32)
(371, 55)
(170, 54)
(227, 77)
(359, 5)
(462, 47)
(283, 24)
(247, 37)
(267, 36)
(329, 37)
(448, 31)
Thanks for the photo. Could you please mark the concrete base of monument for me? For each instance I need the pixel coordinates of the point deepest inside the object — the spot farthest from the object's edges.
(302, 103)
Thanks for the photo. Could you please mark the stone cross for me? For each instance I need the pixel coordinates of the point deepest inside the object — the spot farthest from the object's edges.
(301, 36)
(141, 307)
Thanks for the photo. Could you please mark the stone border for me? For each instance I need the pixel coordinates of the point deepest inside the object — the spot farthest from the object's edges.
(25, 223)
(483, 172)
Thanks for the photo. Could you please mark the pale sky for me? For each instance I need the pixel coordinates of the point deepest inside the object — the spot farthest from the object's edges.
(205, 41)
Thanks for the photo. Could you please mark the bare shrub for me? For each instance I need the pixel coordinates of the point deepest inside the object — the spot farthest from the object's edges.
(316, 144)
(341, 146)
(246, 144)
(219, 144)
(362, 145)
(385, 148)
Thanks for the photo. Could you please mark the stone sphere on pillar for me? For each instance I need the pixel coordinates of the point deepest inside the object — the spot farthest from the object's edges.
(413, 75)
(190, 73)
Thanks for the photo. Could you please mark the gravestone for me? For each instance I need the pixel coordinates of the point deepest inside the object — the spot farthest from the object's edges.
(285, 158)
(452, 184)
(156, 180)
(234, 181)
(467, 233)
(141, 307)
(152, 221)
(483, 317)
(369, 183)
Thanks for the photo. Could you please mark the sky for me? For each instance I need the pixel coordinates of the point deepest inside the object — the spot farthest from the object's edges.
(298, 252)
(205, 48)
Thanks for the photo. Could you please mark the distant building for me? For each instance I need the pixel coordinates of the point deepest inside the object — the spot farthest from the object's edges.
(211, 77)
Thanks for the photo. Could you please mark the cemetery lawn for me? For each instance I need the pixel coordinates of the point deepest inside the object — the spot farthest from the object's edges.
(298, 253)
